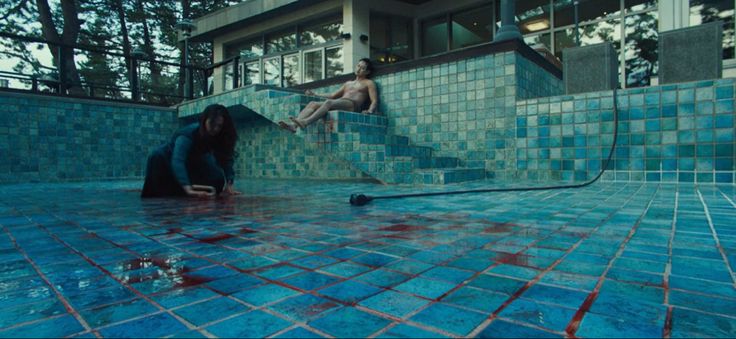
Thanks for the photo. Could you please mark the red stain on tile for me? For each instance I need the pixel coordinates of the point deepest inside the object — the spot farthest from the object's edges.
(402, 228)
(246, 230)
(513, 259)
(572, 327)
(216, 238)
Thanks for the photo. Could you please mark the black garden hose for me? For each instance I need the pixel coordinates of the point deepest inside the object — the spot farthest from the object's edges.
(362, 199)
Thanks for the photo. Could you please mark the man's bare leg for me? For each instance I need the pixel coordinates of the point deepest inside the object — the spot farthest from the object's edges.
(308, 110)
(338, 104)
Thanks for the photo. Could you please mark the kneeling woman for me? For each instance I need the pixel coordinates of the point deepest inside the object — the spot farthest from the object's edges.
(198, 161)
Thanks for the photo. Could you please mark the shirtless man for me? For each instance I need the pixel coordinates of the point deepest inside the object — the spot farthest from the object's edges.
(350, 97)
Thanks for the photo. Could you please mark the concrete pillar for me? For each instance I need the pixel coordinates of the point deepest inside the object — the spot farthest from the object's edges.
(508, 30)
(355, 18)
(673, 14)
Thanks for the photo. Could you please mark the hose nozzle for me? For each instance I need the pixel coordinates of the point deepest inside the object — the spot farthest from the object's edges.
(359, 199)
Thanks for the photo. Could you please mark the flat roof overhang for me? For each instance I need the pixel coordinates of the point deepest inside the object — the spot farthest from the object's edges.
(241, 15)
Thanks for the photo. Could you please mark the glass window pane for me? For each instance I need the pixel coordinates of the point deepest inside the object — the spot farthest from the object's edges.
(564, 39)
(703, 11)
(272, 71)
(322, 32)
(333, 62)
(291, 70)
(390, 38)
(533, 15)
(640, 5)
(587, 10)
(228, 76)
(434, 36)
(280, 42)
(471, 27)
(641, 48)
(248, 49)
(591, 34)
(252, 73)
(312, 65)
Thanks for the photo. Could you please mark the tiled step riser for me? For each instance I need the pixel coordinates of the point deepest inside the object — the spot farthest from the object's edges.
(443, 162)
(442, 177)
(363, 141)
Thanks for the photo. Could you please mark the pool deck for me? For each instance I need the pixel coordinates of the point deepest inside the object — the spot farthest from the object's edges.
(294, 259)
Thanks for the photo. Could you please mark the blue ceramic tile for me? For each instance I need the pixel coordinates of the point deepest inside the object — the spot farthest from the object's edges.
(691, 324)
(449, 318)
(349, 291)
(303, 307)
(211, 310)
(114, 313)
(393, 303)
(264, 294)
(596, 326)
(298, 332)
(542, 315)
(497, 283)
(254, 324)
(158, 325)
(180, 297)
(233, 284)
(310, 280)
(382, 278)
(29, 312)
(448, 274)
(430, 289)
(279, 272)
(348, 322)
(407, 331)
(477, 299)
(345, 269)
(409, 266)
(50, 328)
(504, 329)
(515, 271)
(555, 295)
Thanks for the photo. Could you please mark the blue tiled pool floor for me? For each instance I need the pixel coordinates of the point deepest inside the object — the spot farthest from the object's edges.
(294, 259)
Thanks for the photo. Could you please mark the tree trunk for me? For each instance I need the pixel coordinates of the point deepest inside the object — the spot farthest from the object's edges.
(63, 55)
(148, 48)
(118, 6)
(186, 12)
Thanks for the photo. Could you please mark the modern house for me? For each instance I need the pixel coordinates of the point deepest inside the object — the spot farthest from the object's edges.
(289, 42)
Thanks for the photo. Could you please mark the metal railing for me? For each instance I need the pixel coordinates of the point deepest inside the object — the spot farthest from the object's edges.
(100, 73)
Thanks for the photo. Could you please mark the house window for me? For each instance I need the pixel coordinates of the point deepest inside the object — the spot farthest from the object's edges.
(391, 38)
(471, 27)
(703, 11)
(321, 33)
(434, 36)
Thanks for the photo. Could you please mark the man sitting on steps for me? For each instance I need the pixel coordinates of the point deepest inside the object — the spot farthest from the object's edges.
(350, 97)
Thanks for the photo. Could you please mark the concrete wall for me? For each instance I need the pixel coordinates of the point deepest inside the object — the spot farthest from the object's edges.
(47, 138)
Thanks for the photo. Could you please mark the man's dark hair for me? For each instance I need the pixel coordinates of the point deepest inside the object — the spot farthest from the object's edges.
(368, 65)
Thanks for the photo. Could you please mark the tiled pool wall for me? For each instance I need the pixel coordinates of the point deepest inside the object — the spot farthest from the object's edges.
(670, 133)
(265, 150)
(464, 108)
(50, 138)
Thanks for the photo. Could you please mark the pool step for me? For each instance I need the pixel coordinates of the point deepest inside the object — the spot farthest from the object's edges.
(442, 176)
(363, 141)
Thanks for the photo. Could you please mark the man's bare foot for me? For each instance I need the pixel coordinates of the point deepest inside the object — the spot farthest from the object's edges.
(287, 127)
(297, 122)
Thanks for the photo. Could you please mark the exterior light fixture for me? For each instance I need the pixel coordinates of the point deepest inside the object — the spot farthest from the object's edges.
(345, 36)
(537, 25)
(363, 38)
(187, 26)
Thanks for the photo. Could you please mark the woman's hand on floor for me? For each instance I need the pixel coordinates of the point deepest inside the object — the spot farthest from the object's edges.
(229, 190)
